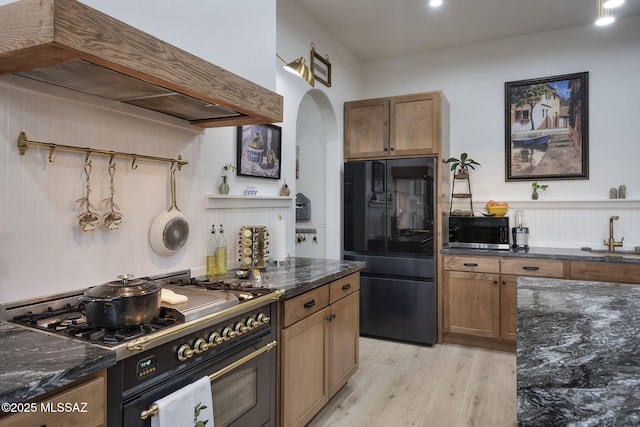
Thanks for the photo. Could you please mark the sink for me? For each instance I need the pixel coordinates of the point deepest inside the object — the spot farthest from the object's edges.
(619, 252)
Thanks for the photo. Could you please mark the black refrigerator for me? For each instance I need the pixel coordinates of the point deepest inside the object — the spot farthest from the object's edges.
(390, 223)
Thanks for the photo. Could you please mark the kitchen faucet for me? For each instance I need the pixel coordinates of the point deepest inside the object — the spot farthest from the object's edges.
(611, 242)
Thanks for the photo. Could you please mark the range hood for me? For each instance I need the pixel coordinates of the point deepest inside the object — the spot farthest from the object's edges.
(68, 44)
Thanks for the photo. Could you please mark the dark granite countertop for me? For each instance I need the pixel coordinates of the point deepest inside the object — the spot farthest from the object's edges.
(578, 353)
(571, 254)
(35, 362)
(299, 275)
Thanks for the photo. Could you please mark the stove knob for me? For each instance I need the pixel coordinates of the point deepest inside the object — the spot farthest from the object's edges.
(241, 328)
(228, 333)
(252, 323)
(263, 319)
(215, 339)
(184, 352)
(200, 346)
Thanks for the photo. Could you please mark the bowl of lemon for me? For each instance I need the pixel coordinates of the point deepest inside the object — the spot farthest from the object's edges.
(497, 208)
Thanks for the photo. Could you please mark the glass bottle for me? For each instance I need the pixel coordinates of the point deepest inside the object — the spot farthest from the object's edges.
(212, 256)
(222, 253)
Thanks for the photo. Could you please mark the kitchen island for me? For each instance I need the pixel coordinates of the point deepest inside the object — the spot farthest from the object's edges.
(578, 353)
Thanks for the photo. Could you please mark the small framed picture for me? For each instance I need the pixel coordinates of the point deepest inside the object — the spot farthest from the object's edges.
(321, 68)
(259, 150)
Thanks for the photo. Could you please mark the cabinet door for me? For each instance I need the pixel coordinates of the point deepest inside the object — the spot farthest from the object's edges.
(472, 304)
(508, 307)
(92, 393)
(344, 334)
(366, 129)
(304, 354)
(415, 124)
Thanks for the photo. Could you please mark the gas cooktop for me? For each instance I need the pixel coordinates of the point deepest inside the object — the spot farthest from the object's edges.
(63, 314)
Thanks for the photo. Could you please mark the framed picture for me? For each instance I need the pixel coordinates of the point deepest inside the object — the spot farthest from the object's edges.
(377, 177)
(320, 67)
(259, 151)
(547, 128)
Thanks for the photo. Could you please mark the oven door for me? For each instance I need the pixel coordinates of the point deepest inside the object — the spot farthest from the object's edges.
(243, 389)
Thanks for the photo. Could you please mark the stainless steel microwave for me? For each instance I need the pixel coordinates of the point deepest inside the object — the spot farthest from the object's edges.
(479, 232)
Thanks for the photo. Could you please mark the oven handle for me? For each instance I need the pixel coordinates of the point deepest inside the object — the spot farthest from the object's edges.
(153, 409)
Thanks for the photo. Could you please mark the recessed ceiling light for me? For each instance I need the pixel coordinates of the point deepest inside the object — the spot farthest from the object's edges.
(608, 4)
(436, 3)
(604, 15)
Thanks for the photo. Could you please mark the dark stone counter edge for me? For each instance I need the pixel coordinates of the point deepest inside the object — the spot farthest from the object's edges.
(568, 254)
(34, 389)
(306, 286)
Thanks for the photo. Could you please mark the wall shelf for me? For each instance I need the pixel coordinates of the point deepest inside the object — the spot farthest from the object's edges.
(247, 202)
(572, 204)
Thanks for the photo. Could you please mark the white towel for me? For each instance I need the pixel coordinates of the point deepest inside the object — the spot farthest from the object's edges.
(191, 406)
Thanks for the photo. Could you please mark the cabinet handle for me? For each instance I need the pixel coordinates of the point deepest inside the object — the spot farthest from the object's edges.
(346, 287)
(470, 264)
(504, 283)
(391, 148)
(331, 317)
(531, 268)
(386, 149)
(495, 282)
(310, 304)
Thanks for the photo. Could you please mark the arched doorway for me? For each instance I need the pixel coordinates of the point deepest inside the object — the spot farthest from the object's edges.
(318, 163)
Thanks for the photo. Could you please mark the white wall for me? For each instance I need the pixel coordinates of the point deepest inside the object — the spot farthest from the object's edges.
(42, 250)
(473, 77)
(296, 30)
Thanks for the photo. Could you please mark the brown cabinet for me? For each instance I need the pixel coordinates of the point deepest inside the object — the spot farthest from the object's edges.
(604, 272)
(82, 403)
(399, 126)
(480, 297)
(319, 347)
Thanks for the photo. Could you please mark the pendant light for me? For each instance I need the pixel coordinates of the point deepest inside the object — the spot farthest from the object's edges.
(299, 68)
(604, 14)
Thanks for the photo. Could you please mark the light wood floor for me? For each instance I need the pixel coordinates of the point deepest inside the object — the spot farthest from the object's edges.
(445, 385)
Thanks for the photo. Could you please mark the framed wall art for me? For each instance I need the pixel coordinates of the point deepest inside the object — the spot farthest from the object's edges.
(547, 128)
(320, 67)
(259, 151)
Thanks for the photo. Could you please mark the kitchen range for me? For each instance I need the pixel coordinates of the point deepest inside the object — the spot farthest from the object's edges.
(224, 330)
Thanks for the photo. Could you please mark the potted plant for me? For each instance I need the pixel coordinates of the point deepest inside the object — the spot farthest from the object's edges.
(461, 166)
(536, 187)
(224, 186)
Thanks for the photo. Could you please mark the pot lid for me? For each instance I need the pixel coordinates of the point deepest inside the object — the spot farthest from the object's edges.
(125, 287)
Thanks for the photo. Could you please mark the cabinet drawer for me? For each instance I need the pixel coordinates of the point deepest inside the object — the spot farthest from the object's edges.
(303, 305)
(533, 267)
(478, 264)
(605, 272)
(343, 287)
(87, 408)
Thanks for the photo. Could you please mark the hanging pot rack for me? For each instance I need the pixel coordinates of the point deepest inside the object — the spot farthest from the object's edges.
(24, 143)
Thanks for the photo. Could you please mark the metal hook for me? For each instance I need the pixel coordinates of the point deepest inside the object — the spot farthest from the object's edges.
(111, 159)
(133, 163)
(52, 148)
